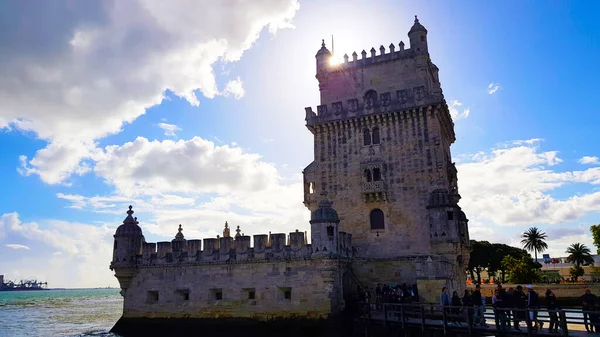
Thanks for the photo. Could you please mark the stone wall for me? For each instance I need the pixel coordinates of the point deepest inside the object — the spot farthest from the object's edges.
(410, 270)
(315, 287)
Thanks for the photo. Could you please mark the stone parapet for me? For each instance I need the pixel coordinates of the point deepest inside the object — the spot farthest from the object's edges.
(352, 109)
(267, 247)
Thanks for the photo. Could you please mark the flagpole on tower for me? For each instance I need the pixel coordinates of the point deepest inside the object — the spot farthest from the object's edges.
(332, 49)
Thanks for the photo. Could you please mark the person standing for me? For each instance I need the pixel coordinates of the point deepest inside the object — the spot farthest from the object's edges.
(468, 305)
(520, 303)
(588, 301)
(445, 301)
(552, 306)
(478, 310)
(533, 304)
(455, 311)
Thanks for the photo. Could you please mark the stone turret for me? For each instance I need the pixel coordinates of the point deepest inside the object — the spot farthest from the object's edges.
(324, 223)
(129, 241)
(323, 59)
(418, 37)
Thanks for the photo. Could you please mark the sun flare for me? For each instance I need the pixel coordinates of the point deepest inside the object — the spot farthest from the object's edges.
(334, 60)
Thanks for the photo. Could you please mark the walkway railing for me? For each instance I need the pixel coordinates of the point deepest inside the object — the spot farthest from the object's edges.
(567, 322)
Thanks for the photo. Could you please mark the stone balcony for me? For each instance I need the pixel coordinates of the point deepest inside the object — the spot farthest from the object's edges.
(374, 191)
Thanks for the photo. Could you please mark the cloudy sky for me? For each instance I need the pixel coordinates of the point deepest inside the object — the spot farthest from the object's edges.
(193, 112)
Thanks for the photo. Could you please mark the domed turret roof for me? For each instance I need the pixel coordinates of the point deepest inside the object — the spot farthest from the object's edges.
(417, 27)
(130, 226)
(325, 213)
(323, 50)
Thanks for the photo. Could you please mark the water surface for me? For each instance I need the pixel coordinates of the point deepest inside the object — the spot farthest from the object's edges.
(72, 312)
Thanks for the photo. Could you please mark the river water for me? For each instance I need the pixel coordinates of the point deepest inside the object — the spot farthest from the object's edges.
(73, 312)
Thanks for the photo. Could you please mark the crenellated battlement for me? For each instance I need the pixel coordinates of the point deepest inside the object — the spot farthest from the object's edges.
(238, 249)
(375, 56)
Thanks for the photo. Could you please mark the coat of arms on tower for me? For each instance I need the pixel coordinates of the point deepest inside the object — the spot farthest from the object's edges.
(402, 96)
(352, 105)
(368, 102)
(322, 109)
(385, 99)
(336, 108)
(419, 93)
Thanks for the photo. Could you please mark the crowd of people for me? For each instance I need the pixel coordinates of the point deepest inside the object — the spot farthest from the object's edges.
(511, 307)
(374, 298)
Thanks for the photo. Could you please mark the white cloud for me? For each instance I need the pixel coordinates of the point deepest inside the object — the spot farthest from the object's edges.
(589, 160)
(493, 88)
(266, 139)
(513, 186)
(84, 250)
(235, 88)
(146, 167)
(170, 129)
(454, 107)
(17, 246)
(80, 74)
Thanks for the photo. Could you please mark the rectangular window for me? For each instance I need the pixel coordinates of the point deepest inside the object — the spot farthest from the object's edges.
(285, 293)
(183, 294)
(217, 294)
(312, 187)
(450, 215)
(251, 295)
(152, 296)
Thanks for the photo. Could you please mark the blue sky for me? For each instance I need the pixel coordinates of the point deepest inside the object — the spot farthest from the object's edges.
(195, 115)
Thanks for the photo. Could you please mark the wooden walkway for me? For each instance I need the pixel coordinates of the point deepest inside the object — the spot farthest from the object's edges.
(430, 317)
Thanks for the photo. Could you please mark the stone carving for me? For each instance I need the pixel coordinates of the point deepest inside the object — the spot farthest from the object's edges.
(368, 103)
(352, 105)
(402, 96)
(419, 93)
(386, 99)
(370, 98)
(337, 108)
(322, 110)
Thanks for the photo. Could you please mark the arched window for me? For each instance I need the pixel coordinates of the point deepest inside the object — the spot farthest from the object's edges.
(367, 136)
(367, 174)
(375, 136)
(376, 218)
(376, 174)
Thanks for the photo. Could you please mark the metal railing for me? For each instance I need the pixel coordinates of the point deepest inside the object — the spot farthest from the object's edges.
(496, 320)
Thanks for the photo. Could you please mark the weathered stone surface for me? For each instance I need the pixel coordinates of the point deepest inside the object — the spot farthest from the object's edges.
(393, 124)
(311, 283)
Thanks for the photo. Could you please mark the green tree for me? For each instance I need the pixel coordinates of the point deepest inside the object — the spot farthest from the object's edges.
(479, 260)
(579, 254)
(595, 229)
(576, 272)
(521, 270)
(534, 241)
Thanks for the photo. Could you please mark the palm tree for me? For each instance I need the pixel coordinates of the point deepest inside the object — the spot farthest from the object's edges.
(579, 254)
(534, 241)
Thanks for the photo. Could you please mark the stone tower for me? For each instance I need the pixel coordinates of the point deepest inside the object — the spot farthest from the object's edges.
(382, 137)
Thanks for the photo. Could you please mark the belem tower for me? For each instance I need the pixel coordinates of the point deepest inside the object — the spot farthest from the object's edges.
(383, 196)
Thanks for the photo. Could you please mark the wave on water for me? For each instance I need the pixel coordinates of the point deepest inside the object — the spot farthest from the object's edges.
(96, 333)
